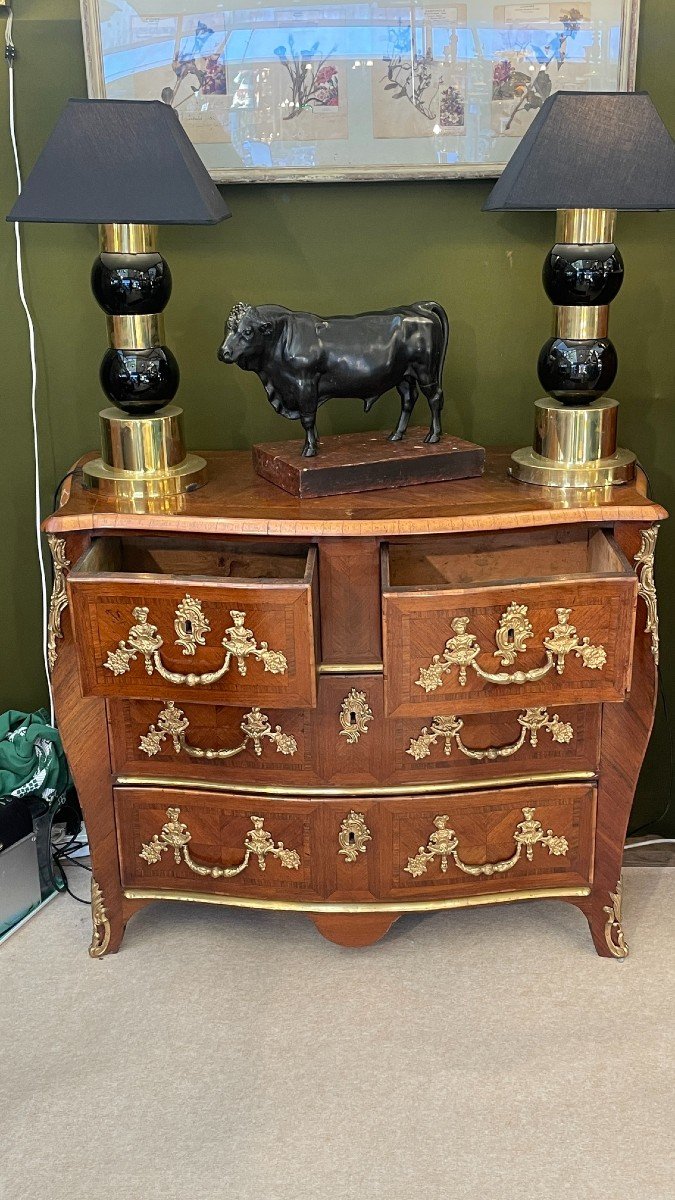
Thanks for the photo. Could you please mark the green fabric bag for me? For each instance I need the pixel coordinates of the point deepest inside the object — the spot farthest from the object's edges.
(32, 761)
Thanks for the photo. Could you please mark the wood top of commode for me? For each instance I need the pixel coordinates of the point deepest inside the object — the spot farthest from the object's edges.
(236, 502)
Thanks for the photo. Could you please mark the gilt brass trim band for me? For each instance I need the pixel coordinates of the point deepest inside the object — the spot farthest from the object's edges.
(401, 906)
(128, 239)
(581, 322)
(585, 226)
(376, 668)
(450, 787)
(136, 332)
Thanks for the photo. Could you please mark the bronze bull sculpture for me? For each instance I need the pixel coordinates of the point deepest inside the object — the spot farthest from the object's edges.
(304, 360)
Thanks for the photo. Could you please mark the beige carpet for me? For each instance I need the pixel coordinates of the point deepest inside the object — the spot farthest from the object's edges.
(226, 1055)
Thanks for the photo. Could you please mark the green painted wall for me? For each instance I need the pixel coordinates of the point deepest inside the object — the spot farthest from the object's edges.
(328, 248)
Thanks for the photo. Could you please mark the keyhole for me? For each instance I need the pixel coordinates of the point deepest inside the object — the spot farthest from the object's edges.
(511, 636)
(352, 839)
(352, 717)
(188, 626)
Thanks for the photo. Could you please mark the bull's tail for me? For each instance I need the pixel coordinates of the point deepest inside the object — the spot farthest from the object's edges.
(431, 306)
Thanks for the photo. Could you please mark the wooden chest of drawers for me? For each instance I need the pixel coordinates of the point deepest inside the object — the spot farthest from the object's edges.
(360, 706)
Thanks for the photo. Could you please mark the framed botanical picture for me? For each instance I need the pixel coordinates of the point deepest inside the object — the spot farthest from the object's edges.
(307, 91)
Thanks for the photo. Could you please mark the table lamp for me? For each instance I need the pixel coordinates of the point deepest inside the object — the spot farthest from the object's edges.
(586, 155)
(128, 166)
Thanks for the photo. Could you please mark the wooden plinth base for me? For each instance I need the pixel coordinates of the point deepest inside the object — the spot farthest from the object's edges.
(366, 462)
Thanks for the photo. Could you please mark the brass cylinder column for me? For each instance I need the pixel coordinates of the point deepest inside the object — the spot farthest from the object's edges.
(143, 449)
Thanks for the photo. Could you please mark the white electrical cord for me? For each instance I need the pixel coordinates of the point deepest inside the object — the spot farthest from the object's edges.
(649, 842)
(9, 55)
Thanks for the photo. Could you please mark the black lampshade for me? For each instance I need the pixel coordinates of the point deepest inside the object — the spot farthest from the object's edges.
(591, 150)
(119, 161)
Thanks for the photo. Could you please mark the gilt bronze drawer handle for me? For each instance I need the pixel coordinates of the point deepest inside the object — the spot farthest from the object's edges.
(353, 835)
(355, 715)
(255, 727)
(175, 835)
(238, 642)
(462, 650)
(449, 730)
(444, 842)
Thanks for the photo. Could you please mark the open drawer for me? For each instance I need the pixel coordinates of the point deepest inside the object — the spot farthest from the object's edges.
(477, 623)
(236, 624)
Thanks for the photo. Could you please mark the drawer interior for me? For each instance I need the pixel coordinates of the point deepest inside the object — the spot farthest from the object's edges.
(190, 558)
(475, 559)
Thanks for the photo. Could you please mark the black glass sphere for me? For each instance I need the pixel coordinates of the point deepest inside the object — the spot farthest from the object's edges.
(140, 381)
(577, 372)
(131, 284)
(577, 275)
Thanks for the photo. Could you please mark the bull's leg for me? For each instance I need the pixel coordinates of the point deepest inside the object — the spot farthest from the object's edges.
(309, 425)
(407, 390)
(434, 395)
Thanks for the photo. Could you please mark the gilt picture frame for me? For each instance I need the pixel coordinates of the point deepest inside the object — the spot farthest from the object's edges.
(332, 92)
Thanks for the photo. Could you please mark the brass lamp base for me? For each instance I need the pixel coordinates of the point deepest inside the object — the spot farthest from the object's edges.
(574, 447)
(143, 458)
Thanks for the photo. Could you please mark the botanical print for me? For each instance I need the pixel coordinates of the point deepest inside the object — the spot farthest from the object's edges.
(410, 76)
(193, 79)
(327, 82)
(414, 95)
(451, 113)
(268, 125)
(524, 77)
(313, 78)
(199, 62)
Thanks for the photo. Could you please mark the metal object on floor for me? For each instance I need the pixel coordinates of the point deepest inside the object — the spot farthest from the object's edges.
(19, 868)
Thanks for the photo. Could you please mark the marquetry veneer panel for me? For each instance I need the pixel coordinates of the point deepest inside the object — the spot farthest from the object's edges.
(126, 603)
(546, 623)
(392, 752)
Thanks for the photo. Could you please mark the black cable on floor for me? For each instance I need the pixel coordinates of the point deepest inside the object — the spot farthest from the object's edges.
(66, 885)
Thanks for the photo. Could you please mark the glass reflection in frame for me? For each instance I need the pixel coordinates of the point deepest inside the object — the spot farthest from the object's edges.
(349, 91)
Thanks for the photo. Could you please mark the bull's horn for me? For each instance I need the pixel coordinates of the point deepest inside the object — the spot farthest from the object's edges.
(236, 314)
